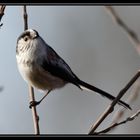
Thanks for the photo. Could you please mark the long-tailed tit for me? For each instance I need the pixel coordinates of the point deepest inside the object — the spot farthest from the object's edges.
(44, 69)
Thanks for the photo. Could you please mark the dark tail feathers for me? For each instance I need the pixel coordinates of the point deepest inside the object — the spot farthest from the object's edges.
(101, 92)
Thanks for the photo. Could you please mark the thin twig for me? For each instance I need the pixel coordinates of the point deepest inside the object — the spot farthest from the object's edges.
(31, 90)
(131, 118)
(133, 96)
(110, 108)
(2, 8)
(25, 16)
(34, 111)
(133, 37)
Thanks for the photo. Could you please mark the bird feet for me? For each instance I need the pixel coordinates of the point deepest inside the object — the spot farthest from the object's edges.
(33, 103)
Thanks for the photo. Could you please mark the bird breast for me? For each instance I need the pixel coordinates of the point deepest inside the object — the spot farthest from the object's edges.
(35, 75)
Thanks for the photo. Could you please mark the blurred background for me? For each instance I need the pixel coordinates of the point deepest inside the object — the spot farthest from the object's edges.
(96, 49)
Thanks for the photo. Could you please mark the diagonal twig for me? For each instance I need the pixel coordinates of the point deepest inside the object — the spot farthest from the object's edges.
(110, 108)
(31, 90)
(136, 42)
(133, 96)
(131, 118)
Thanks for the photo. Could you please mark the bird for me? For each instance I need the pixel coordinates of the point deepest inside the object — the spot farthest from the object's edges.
(42, 68)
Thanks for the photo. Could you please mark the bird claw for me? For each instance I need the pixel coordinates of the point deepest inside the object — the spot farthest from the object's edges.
(33, 103)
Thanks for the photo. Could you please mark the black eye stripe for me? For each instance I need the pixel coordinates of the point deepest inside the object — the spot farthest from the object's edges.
(23, 35)
(26, 33)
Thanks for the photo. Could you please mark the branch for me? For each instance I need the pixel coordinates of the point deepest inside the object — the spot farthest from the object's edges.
(110, 108)
(25, 16)
(136, 42)
(130, 33)
(133, 96)
(31, 90)
(131, 118)
(2, 8)
(34, 111)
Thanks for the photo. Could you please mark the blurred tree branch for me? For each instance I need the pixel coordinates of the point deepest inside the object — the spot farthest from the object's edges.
(2, 8)
(133, 96)
(114, 125)
(110, 108)
(130, 33)
(1, 88)
(136, 42)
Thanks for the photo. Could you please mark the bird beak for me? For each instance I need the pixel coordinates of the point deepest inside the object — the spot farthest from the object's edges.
(35, 36)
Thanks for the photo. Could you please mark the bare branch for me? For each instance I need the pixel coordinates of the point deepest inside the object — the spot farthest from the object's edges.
(34, 111)
(131, 118)
(31, 90)
(133, 96)
(110, 108)
(131, 34)
(136, 42)
(2, 8)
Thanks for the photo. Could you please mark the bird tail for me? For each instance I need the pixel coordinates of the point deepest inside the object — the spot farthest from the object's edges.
(83, 84)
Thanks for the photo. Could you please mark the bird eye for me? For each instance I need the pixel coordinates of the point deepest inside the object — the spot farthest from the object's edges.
(25, 38)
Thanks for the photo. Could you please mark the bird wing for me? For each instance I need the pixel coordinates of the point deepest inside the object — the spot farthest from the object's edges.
(59, 68)
(54, 64)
